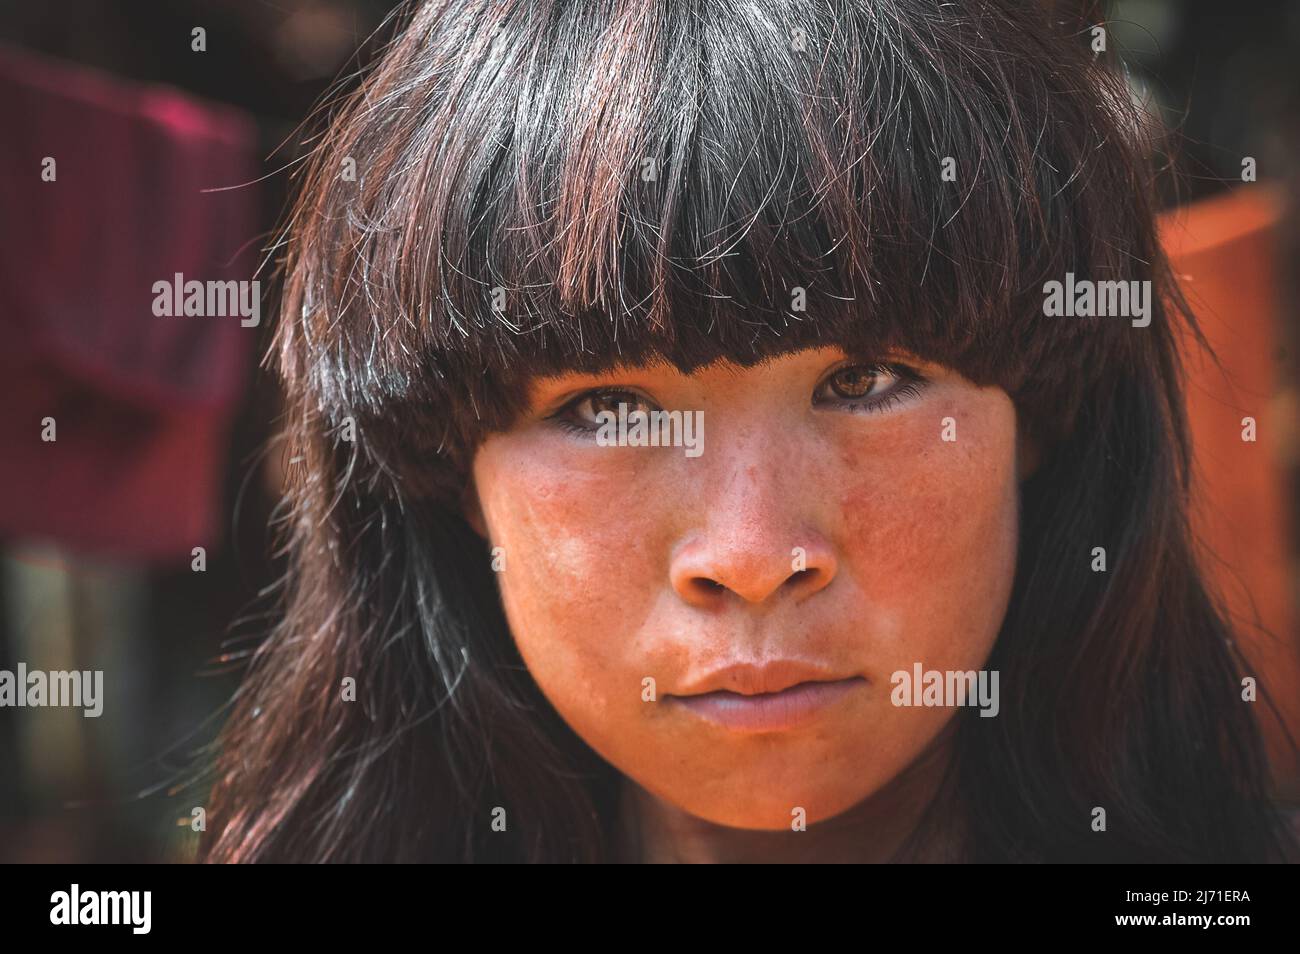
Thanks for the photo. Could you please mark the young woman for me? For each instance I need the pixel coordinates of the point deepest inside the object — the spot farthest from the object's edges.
(814, 239)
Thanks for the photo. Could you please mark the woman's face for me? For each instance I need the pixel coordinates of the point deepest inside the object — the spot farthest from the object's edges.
(823, 531)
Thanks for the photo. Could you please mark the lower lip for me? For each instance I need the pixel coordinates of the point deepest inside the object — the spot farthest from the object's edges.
(770, 711)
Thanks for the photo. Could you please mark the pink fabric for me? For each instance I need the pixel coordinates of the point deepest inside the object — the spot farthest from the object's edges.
(142, 403)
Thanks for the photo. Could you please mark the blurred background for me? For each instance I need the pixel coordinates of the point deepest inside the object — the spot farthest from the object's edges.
(136, 542)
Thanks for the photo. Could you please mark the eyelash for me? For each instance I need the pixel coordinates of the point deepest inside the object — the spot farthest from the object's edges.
(910, 384)
(560, 417)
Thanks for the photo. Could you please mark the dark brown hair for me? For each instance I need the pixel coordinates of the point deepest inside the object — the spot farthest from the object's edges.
(544, 186)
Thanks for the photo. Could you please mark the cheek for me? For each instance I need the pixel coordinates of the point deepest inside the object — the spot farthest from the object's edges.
(576, 546)
(930, 530)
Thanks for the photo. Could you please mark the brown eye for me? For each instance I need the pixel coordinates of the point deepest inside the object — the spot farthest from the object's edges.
(586, 408)
(854, 383)
(609, 401)
(869, 387)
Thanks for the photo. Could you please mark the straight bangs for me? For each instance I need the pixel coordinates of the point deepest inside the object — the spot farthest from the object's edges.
(523, 189)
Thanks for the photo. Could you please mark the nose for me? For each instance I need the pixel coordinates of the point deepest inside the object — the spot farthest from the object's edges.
(754, 543)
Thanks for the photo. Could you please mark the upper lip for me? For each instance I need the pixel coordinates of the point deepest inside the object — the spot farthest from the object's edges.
(752, 679)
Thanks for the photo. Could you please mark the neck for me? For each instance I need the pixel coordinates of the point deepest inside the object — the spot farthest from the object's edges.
(883, 827)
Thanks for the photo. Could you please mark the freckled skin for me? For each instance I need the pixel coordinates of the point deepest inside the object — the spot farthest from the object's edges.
(911, 541)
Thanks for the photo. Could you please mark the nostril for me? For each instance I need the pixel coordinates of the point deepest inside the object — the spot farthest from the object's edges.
(803, 584)
(707, 585)
(751, 570)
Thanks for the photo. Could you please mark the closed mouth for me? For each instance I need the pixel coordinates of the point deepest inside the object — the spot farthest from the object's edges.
(787, 709)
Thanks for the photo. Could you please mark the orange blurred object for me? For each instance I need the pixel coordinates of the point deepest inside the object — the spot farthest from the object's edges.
(1225, 252)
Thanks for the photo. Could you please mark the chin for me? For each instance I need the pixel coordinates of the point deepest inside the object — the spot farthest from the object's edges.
(773, 808)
